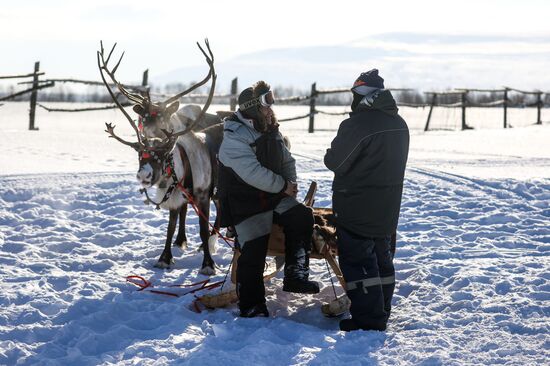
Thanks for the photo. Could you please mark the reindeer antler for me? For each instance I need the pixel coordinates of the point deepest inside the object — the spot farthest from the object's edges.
(212, 73)
(111, 131)
(210, 62)
(136, 98)
(102, 64)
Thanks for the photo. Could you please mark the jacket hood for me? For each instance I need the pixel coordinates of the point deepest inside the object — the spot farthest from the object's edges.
(237, 119)
(381, 99)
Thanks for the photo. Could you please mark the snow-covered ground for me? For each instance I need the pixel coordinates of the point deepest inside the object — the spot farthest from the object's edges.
(472, 260)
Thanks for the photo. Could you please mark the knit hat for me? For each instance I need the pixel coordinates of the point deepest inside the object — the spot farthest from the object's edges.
(250, 97)
(367, 82)
(245, 99)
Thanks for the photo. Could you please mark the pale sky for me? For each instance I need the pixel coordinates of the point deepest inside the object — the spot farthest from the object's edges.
(161, 35)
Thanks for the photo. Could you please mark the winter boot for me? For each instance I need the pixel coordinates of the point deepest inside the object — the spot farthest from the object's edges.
(301, 286)
(254, 311)
(296, 278)
(348, 325)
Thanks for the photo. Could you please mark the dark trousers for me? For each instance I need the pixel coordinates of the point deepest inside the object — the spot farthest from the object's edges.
(367, 266)
(297, 225)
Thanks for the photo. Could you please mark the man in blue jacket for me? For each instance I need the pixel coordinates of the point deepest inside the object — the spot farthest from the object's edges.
(256, 188)
(368, 157)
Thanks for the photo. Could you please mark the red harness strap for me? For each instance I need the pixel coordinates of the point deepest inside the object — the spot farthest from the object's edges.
(190, 199)
(186, 181)
(143, 284)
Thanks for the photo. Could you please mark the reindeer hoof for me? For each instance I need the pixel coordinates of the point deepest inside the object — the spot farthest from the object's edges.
(207, 271)
(164, 265)
(182, 245)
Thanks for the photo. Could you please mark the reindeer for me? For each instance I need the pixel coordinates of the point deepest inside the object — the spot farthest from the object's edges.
(179, 164)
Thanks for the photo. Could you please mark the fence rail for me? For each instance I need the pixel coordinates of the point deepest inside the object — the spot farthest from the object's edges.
(22, 76)
(139, 88)
(89, 109)
(30, 90)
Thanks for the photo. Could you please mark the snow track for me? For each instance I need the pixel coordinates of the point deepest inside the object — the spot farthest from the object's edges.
(472, 268)
(473, 261)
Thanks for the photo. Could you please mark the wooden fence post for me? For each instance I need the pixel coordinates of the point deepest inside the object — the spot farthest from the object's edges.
(34, 94)
(313, 95)
(233, 99)
(145, 78)
(463, 106)
(434, 101)
(505, 107)
(539, 106)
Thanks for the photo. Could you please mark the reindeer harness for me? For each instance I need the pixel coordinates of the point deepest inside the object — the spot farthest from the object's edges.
(169, 172)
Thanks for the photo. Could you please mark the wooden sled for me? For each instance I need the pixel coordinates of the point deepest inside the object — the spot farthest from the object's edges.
(324, 247)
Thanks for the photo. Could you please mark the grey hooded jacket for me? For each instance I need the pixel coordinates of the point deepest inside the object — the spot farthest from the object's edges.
(238, 153)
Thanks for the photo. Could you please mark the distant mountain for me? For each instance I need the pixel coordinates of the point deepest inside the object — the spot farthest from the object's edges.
(423, 38)
(414, 60)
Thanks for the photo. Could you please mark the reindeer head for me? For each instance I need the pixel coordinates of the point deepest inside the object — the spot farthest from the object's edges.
(154, 117)
(155, 141)
(153, 155)
(153, 162)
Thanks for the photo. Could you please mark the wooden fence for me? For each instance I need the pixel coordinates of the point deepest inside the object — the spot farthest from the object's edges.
(38, 84)
(434, 101)
(465, 103)
(435, 98)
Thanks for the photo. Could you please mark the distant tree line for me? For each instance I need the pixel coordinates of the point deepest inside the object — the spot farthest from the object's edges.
(98, 94)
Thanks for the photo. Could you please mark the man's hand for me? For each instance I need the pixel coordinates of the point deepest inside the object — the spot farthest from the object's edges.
(291, 189)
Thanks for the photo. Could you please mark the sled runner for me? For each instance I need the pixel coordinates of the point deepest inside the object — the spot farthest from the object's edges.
(324, 247)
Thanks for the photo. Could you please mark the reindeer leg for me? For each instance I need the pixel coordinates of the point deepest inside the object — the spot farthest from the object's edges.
(181, 238)
(207, 261)
(166, 258)
(213, 239)
(218, 215)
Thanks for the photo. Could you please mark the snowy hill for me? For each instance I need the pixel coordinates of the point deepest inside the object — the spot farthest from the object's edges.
(472, 260)
(414, 60)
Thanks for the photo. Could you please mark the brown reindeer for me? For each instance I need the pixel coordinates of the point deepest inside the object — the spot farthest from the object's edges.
(181, 163)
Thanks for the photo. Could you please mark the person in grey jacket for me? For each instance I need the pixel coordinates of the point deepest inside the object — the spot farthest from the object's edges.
(256, 188)
(368, 157)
